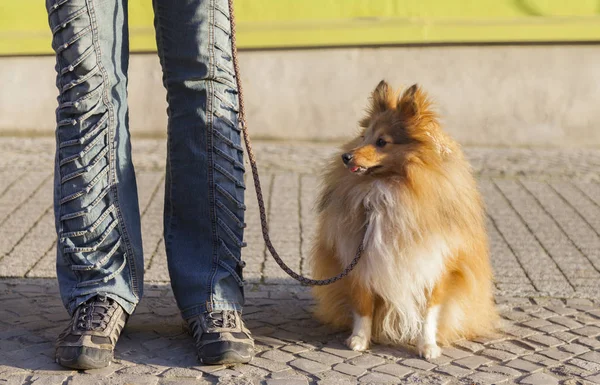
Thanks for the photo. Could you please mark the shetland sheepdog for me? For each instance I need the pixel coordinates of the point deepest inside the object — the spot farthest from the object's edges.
(404, 189)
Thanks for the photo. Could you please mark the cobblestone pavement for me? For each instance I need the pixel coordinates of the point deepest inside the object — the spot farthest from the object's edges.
(543, 212)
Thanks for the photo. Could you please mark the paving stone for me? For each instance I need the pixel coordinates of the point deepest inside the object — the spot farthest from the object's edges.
(322, 357)
(453, 370)
(586, 365)
(309, 366)
(454, 352)
(294, 349)
(352, 370)
(487, 378)
(394, 370)
(288, 374)
(343, 352)
(556, 354)
(277, 355)
(499, 369)
(470, 346)
(418, 364)
(575, 348)
(271, 366)
(588, 331)
(183, 381)
(589, 342)
(134, 379)
(523, 365)
(499, 355)
(366, 361)
(91, 379)
(545, 340)
(591, 356)
(378, 378)
(541, 360)
(595, 379)
(472, 362)
(287, 382)
(539, 379)
(181, 373)
(47, 379)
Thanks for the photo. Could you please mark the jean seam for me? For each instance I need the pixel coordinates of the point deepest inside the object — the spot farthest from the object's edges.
(209, 145)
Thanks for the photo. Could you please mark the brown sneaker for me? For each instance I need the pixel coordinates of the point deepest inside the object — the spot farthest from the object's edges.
(89, 340)
(222, 338)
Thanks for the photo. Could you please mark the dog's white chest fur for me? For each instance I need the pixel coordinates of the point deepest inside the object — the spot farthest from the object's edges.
(400, 264)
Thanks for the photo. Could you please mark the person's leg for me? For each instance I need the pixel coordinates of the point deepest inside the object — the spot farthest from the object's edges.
(204, 210)
(99, 248)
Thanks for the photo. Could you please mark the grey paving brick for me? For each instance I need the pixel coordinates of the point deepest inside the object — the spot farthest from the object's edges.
(499, 355)
(499, 369)
(588, 331)
(269, 365)
(585, 364)
(308, 365)
(322, 357)
(287, 382)
(352, 370)
(488, 378)
(589, 342)
(523, 365)
(539, 379)
(343, 352)
(418, 364)
(48, 379)
(545, 340)
(378, 378)
(594, 379)
(394, 370)
(366, 361)
(556, 354)
(541, 360)
(454, 371)
(277, 355)
(455, 353)
(472, 362)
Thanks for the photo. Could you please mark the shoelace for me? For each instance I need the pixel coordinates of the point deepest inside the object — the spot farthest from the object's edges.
(221, 319)
(95, 314)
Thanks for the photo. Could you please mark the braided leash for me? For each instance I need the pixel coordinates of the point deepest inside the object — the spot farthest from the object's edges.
(259, 195)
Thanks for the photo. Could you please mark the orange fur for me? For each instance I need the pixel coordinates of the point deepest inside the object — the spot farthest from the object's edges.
(426, 245)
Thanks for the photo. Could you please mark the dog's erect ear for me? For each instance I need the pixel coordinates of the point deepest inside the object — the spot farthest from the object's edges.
(410, 102)
(381, 97)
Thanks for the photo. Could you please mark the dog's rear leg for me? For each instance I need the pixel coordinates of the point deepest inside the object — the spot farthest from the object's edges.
(362, 314)
(427, 342)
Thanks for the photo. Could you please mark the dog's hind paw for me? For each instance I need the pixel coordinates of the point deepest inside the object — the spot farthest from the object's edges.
(430, 351)
(357, 343)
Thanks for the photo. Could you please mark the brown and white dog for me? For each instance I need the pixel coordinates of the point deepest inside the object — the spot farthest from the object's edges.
(404, 186)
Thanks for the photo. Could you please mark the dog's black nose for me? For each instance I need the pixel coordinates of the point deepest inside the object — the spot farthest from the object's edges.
(347, 157)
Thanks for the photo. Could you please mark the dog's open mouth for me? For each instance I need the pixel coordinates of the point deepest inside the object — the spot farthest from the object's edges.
(357, 169)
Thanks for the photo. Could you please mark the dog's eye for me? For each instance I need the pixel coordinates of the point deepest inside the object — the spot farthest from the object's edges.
(380, 142)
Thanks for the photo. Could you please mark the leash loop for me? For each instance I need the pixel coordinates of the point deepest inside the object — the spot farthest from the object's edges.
(257, 186)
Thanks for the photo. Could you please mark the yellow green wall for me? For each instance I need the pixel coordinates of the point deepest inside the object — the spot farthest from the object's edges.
(310, 23)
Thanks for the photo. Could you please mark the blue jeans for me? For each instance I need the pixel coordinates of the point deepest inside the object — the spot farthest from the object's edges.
(99, 248)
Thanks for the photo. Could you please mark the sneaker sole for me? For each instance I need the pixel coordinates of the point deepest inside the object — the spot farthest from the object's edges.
(83, 362)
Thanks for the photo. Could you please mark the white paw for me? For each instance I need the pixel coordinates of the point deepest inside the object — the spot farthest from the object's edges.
(430, 351)
(357, 343)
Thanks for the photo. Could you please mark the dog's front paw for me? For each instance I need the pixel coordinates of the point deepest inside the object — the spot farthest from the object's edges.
(429, 351)
(357, 343)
